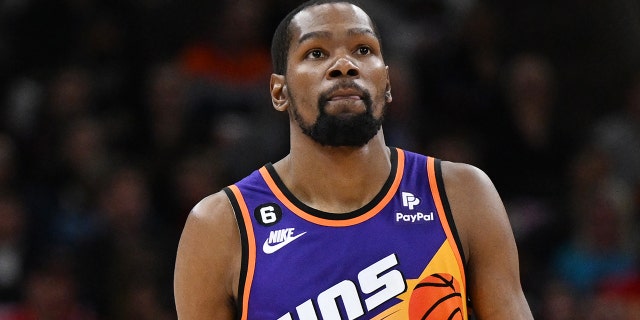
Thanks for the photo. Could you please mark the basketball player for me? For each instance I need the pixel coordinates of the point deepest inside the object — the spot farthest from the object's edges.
(345, 227)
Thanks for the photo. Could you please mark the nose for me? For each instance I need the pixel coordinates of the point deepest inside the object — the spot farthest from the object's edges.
(343, 67)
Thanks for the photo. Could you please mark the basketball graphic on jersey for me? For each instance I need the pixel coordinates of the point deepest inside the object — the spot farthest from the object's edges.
(436, 297)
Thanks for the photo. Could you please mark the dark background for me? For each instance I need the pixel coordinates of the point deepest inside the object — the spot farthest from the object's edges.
(118, 116)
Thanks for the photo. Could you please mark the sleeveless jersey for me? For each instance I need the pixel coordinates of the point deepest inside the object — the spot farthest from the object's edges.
(398, 257)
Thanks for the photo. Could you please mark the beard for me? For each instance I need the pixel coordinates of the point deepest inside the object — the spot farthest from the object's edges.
(344, 130)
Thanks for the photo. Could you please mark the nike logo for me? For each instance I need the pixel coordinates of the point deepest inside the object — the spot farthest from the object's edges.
(278, 239)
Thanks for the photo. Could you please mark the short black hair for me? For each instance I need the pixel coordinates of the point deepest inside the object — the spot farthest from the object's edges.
(282, 36)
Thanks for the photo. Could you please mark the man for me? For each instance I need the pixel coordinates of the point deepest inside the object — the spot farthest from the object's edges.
(345, 227)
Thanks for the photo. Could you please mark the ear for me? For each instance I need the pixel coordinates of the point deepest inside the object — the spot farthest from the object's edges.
(387, 89)
(279, 94)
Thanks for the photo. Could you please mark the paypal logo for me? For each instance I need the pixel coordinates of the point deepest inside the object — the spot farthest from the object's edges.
(409, 200)
(414, 218)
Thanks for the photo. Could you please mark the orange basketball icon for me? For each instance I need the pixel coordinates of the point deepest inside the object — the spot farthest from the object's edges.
(436, 297)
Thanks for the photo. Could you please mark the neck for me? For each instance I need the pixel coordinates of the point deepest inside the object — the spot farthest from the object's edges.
(336, 179)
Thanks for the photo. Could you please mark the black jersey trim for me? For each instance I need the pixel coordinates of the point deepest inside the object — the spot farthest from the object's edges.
(342, 216)
(447, 212)
(244, 241)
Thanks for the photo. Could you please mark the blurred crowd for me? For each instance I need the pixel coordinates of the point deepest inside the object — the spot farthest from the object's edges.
(118, 116)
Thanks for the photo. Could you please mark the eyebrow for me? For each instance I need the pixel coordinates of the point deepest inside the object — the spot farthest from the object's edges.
(314, 35)
(327, 34)
(360, 32)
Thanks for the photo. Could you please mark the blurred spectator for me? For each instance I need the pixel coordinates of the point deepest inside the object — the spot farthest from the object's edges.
(166, 110)
(598, 249)
(602, 244)
(161, 135)
(618, 135)
(459, 77)
(9, 164)
(400, 117)
(70, 95)
(558, 302)
(229, 64)
(617, 298)
(143, 302)
(193, 177)
(50, 292)
(83, 161)
(228, 68)
(67, 97)
(14, 247)
(527, 161)
(456, 147)
(129, 247)
(232, 50)
(22, 107)
(528, 132)
(615, 144)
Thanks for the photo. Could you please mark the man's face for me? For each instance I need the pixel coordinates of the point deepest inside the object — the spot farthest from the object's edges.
(336, 77)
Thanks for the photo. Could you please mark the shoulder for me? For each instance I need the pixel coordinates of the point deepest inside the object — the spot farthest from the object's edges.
(213, 213)
(210, 222)
(474, 201)
(212, 208)
(462, 175)
(208, 259)
(469, 188)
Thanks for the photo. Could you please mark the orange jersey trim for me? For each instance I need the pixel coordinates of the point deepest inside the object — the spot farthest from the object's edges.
(443, 217)
(251, 259)
(338, 223)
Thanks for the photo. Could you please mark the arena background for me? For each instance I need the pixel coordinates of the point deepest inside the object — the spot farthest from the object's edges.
(118, 116)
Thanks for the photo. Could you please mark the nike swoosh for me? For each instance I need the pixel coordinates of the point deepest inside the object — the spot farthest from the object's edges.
(269, 249)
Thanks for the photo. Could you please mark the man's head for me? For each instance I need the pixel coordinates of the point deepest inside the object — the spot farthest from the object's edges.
(282, 36)
(330, 73)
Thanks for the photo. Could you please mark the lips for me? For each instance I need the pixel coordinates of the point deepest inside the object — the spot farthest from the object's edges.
(342, 94)
(345, 97)
(339, 98)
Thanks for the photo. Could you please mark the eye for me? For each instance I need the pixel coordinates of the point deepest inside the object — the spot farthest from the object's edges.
(364, 50)
(315, 54)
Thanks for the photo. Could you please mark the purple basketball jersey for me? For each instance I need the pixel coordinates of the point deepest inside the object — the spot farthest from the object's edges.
(302, 263)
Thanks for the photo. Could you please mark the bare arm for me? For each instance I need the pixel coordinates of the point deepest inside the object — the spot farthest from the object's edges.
(208, 262)
(488, 242)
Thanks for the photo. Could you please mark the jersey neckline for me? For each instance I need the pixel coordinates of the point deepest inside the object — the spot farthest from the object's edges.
(369, 210)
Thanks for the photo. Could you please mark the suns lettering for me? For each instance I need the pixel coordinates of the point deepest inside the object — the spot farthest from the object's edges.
(378, 283)
(305, 311)
(376, 276)
(345, 291)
